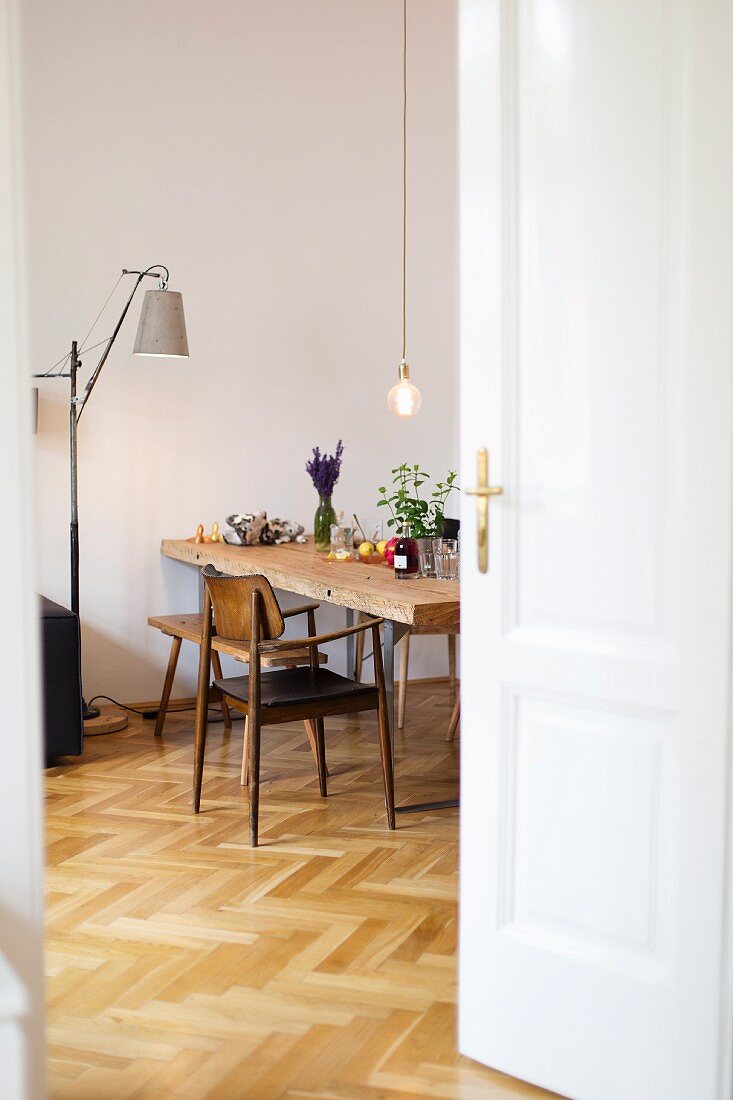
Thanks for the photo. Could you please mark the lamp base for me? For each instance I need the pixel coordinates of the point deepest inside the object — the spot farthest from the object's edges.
(110, 722)
(89, 712)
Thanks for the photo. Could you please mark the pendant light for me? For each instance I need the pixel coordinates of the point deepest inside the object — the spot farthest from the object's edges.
(404, 399)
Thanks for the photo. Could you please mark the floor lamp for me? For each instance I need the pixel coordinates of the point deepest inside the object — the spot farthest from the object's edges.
(161, 332)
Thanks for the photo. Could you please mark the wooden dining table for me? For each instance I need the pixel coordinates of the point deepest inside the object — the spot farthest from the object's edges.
(353, 585)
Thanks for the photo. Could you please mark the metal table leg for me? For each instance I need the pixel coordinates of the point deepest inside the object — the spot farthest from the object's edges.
(393, 631)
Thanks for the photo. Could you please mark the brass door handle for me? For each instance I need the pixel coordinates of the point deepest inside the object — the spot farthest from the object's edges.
(482, 492)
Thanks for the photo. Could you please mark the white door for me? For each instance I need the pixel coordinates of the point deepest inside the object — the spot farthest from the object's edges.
(597, 368)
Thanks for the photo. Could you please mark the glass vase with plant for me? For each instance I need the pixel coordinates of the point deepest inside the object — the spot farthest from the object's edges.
(324, 471)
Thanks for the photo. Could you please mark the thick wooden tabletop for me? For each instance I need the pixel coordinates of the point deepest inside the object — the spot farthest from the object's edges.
(298, 568)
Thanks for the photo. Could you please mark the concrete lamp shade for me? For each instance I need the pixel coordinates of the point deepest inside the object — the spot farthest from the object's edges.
(162, 328)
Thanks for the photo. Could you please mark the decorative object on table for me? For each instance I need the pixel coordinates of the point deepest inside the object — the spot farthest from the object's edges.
(254, 527)
(426, 517)
(199, 538)
(389, 551)
(161, 332)
(368, 540)
(446, 559)
(284, 530)
(341, 545)
(406, 557)
(404, 399)
(324, 471)
(370, 531)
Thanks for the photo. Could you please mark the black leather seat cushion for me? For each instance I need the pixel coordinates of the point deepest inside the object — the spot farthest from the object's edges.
(293, 686)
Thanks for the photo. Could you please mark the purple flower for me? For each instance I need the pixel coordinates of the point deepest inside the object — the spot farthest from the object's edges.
(325, 469)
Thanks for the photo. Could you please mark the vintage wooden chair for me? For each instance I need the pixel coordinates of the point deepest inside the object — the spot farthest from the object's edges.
(188, 628)
(246, 608)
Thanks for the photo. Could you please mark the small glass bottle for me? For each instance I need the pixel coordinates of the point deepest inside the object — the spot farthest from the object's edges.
(406, 556)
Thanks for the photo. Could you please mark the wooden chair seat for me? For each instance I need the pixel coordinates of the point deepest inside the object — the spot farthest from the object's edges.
(296, 687)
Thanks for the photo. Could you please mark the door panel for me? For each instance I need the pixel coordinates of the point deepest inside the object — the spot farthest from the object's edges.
(597, 355)
(594, 129)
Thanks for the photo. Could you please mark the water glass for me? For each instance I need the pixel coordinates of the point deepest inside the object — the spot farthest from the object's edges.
(446, 559)
(426, 555)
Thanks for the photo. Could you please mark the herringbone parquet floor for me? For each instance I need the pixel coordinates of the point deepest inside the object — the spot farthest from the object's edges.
(183, 964)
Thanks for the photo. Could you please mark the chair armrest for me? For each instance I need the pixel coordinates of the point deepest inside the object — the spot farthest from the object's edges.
(301, 609)
(317, 639)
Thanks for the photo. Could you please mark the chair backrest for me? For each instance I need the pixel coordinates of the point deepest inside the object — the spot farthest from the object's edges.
(231, 600)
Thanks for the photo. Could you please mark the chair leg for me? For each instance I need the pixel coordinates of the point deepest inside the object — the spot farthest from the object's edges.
(321, 745)
(216, 668)
(310, 729)
(452, 664)
(454, 720)
(167, 686)
(404, 670)
(202, 721)
(254, 779)
(359, 658)
(244, 779)
(385, 750)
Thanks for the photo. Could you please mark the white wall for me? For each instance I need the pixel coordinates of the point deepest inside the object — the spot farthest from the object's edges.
(253, 146)
(21, 859)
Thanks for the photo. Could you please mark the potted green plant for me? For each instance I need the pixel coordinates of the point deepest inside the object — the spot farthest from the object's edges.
(423, 515)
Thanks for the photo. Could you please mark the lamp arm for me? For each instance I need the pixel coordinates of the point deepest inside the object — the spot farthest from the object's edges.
(81, 400)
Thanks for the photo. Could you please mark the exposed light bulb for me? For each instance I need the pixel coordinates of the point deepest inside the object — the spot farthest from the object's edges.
(404, 399)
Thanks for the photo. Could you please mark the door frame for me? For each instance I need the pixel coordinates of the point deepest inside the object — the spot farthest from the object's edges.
(22, 1038)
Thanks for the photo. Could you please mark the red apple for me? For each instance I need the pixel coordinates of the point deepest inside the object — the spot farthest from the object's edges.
(389, 551)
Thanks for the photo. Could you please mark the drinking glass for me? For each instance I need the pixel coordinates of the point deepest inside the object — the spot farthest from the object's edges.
(446, 559)
(426, 553)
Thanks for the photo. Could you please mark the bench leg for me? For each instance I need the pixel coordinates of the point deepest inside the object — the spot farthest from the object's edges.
(167, 686)
(216, 668)
(359, 661)
(454, 720)
(452, 664)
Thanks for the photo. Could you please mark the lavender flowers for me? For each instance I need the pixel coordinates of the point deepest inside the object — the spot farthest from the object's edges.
(325, 469)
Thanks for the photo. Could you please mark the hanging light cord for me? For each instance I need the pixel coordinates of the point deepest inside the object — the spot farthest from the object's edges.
(404, 178)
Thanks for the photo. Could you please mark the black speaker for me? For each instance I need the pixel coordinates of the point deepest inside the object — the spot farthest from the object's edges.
(61, 649)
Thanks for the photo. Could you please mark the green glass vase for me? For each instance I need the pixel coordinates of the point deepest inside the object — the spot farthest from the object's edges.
(325, 516)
